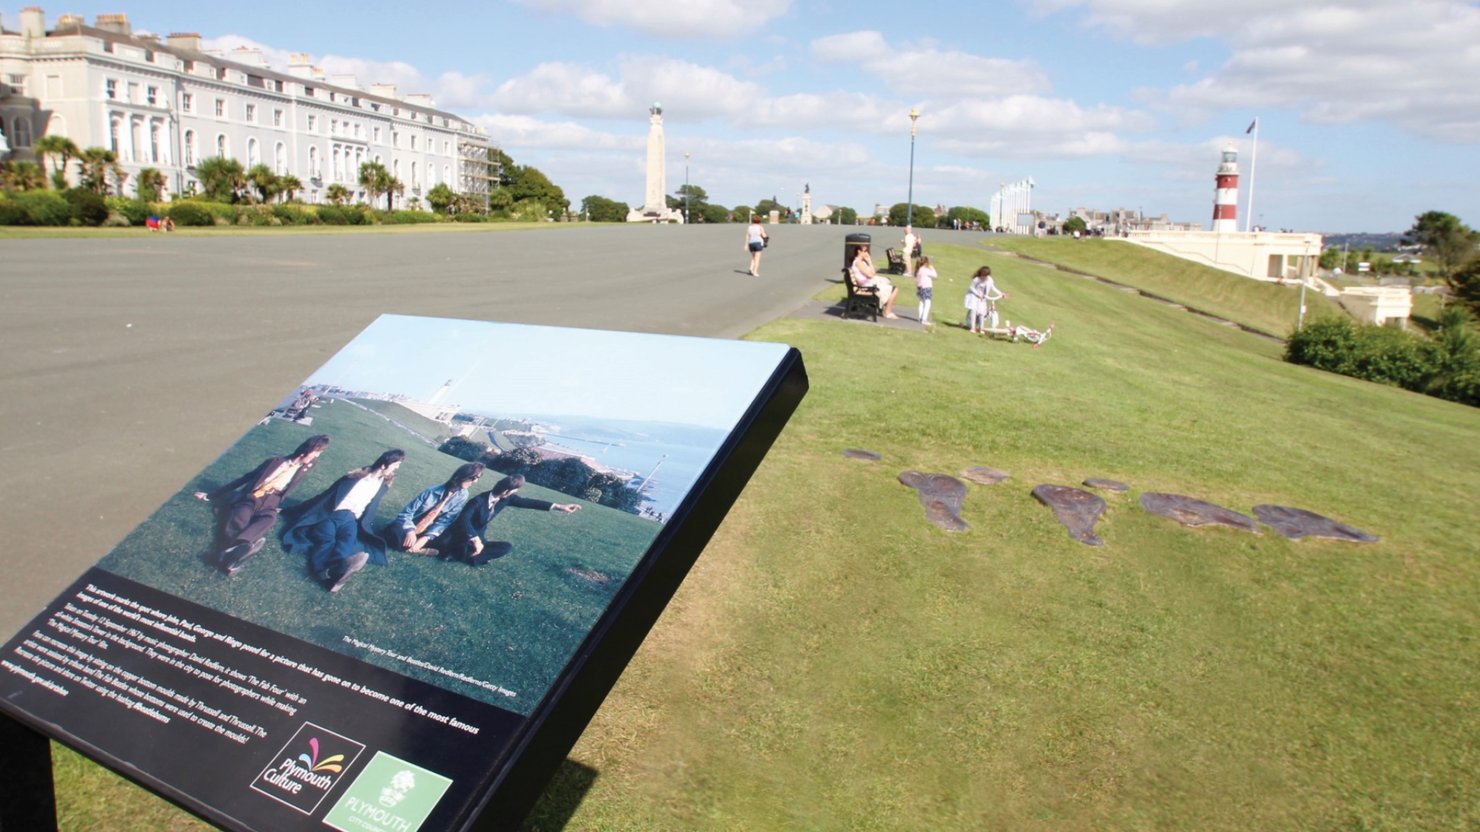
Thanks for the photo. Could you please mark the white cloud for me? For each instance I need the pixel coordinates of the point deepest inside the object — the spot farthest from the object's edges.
(922, 69)
(1410, 63)
(691, 18)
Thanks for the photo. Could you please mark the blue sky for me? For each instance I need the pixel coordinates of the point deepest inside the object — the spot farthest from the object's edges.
(516, 369)
(1369, 109)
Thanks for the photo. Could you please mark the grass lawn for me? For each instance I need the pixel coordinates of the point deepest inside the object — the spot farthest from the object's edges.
(1265, 307)
(834, 662)
(21, 232)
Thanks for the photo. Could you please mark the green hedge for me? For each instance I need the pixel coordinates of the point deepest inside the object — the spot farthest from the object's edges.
(191, 213)
(1447, 366)
(37, 208)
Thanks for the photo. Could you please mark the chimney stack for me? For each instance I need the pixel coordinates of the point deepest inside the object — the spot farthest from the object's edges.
(185, 40)
(33, 22)
(116, 23)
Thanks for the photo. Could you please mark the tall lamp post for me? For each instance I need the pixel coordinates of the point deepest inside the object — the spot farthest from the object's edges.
(686, 187)
(909, 210)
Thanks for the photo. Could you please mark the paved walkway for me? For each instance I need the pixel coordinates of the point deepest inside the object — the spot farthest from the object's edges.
(130, 363)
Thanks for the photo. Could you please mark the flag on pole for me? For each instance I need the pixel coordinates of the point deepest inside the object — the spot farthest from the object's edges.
(1252, 125)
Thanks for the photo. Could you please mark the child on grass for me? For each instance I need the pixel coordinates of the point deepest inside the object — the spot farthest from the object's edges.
(924, 284)
(979, 299)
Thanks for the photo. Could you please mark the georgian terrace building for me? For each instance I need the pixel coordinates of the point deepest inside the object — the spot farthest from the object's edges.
(166, 104)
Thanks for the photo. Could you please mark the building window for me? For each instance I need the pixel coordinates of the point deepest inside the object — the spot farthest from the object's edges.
(277, 118)
(136, 140)
(254, 155)
(222, 148)
(359, 130)
(110, 88)
(415, 183)
(151, 95)
(155, 154)
(313, 124)
(189, 147)
(333, 126)
(133, 92)
(280, 159)
(313, 163)
(220, 108)
(17, 84)
(251, 113)
(377, 135)
(115, 126)
(187, 102)
(22, 130)
(413, 141)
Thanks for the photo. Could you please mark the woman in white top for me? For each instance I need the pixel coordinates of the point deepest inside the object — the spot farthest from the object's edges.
(755, 243)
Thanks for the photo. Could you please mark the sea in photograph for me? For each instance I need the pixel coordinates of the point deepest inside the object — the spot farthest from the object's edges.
(678, 452)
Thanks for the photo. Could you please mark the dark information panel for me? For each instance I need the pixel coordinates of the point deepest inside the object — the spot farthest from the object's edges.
(323, 630)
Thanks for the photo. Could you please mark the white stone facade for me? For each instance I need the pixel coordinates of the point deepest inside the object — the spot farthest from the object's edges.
(166, 104)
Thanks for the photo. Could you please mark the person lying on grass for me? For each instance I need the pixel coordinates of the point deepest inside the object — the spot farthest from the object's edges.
(464, 539)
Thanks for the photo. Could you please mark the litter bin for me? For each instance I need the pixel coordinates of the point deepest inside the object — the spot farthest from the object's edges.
(852, 243)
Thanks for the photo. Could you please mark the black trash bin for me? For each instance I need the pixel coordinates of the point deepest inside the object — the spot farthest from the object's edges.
(852, 243)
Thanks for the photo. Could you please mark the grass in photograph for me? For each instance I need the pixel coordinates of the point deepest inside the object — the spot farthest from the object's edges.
(835, 662)
(513, 622)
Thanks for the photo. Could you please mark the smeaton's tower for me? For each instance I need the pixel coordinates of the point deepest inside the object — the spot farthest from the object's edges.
(655, 203)
(1225, 198)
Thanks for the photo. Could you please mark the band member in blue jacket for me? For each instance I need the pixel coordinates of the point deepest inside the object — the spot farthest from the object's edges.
(429, 513)
(248, 506)
(335, 529)
(464, 539)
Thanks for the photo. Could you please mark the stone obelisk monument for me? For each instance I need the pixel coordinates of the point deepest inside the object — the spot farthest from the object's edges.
(654, 201)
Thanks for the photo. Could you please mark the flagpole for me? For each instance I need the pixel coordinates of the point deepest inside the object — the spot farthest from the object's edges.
(1253, 164)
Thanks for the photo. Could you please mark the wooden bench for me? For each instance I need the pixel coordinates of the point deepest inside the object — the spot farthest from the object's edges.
(896, 261)
(861, 301)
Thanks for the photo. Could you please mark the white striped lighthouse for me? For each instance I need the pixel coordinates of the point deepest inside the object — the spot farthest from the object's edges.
(1225, 198)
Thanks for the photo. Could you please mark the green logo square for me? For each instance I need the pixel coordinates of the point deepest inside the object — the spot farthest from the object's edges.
(389, 795)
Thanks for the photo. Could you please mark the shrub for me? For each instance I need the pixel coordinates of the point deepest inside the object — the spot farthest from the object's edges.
(136, 211)
(36, 208)
(116, 220)
(470, 217)
(1447, 366)
(407, 217)
(88, 207)
(292, 214)
(191, 213)
(342, 215)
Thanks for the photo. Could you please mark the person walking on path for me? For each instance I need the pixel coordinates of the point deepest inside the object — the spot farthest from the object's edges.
(755, 242)
(911, 249)
(924, 284)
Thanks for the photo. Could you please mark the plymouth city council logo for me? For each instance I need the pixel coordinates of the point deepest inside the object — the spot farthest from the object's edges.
(388, 795)
(306, 769)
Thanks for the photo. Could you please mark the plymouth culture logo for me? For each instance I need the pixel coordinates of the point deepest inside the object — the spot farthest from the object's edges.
(303, 779)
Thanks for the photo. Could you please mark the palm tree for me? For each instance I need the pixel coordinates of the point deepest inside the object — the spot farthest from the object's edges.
(221, 179)
(21, 176)
(289, 185)
(376, 180)
(337, 194)
(96, 163)
(119, 175)
(64, 149)
(150, 185)
(264, 180)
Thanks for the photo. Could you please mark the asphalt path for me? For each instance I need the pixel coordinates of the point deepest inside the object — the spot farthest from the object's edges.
(128, 364)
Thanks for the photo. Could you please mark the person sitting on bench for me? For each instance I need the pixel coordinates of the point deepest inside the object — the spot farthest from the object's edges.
(865, 276)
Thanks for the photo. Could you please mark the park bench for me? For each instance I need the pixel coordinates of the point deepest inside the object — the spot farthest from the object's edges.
(896, 261)
(861, 301)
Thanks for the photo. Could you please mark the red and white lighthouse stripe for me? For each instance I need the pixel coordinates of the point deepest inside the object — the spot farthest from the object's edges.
(1225, 198)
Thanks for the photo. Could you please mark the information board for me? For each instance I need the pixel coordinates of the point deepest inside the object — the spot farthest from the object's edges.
(395, 603)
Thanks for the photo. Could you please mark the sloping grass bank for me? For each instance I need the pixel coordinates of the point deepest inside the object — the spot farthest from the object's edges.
(837, 663)
(834, 662)
(1265, 307)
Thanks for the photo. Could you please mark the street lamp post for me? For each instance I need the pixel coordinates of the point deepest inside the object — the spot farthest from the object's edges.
(686, 188)
(909, 209)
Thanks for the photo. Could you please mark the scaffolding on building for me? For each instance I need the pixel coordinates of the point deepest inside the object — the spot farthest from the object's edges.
(478, 173)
